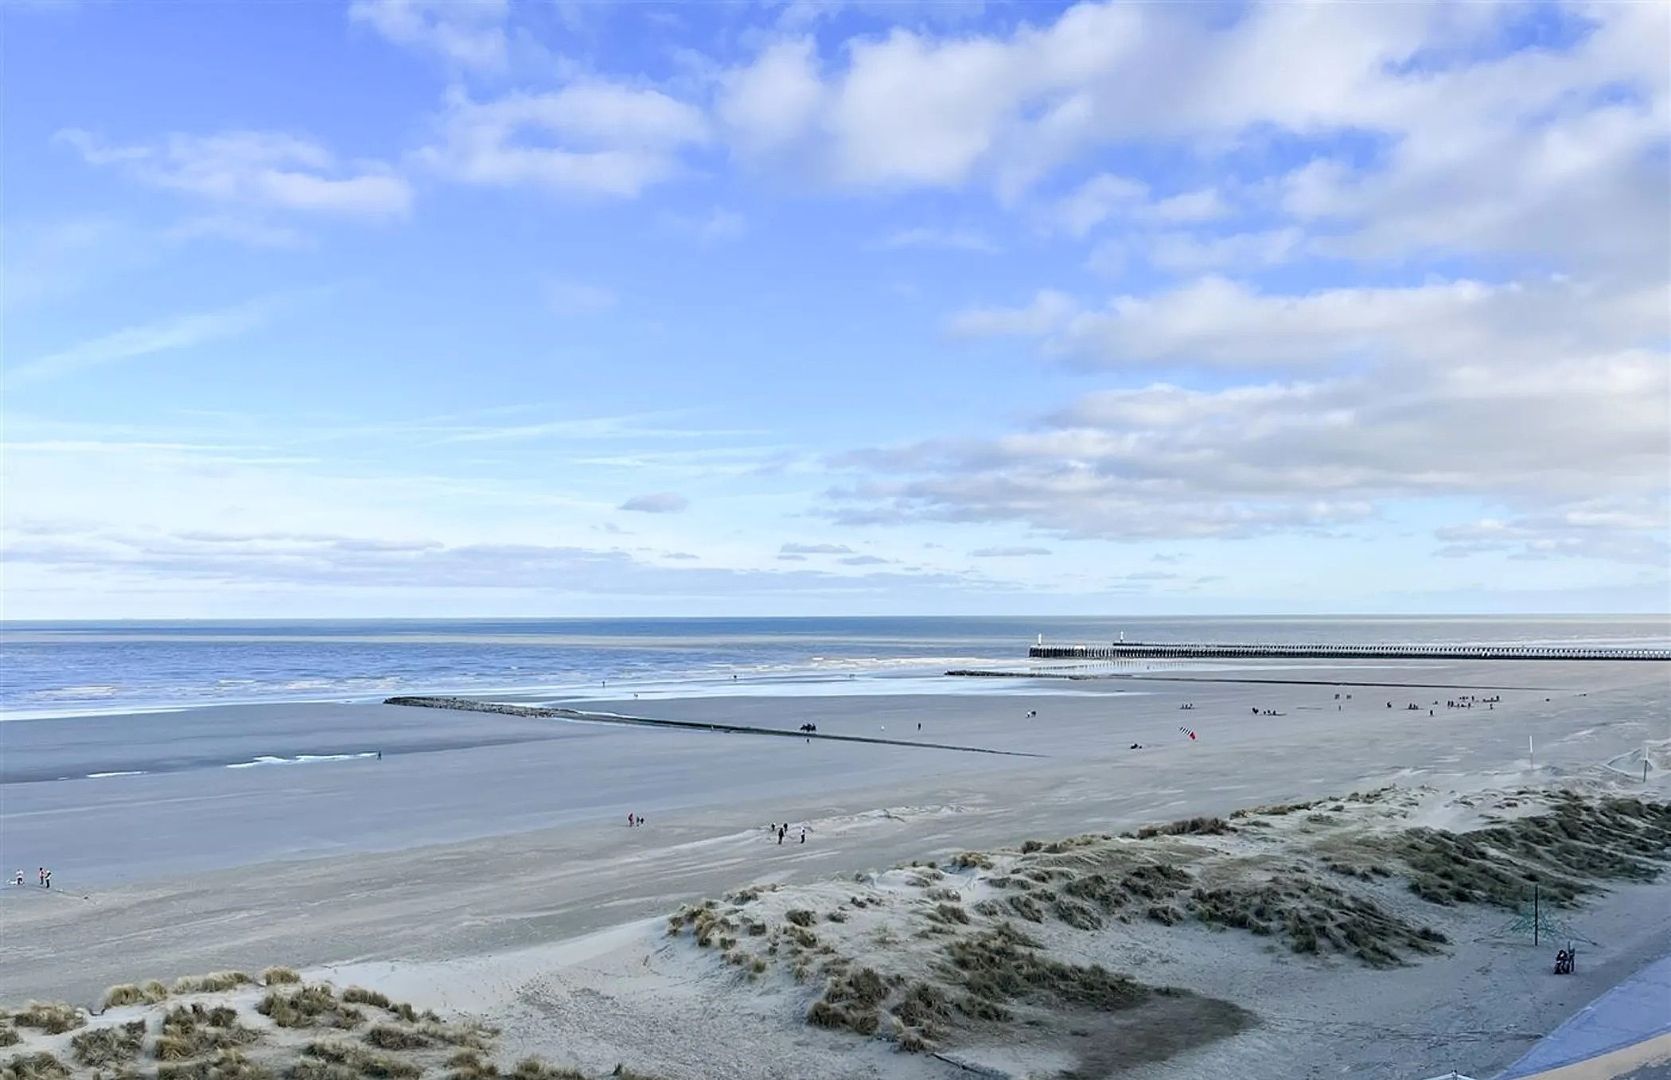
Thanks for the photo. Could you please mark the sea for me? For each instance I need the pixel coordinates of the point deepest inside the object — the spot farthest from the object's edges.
(76, 668)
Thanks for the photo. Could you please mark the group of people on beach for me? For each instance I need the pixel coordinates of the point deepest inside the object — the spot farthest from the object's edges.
(781, 828)
(43, 878)
(634, 820)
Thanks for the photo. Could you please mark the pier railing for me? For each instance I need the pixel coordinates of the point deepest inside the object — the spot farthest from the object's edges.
(1138, 650)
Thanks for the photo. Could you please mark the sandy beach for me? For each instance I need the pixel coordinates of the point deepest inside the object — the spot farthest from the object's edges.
(482, 864)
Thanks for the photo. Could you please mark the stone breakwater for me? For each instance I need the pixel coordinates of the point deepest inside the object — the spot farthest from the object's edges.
(1141, 650)
(558, 713)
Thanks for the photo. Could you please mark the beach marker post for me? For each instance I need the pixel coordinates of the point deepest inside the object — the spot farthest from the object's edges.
(1531, 752)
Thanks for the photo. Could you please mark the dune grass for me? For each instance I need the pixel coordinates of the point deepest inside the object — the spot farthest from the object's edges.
(225, 1065)
(53, 1017)
(100, 1048)
(38, 1066)
(362, 1061)
(389, 1037)
(308, 1006)
(535, 1069)
(278, 976)
(190, 1031)
(148, 993)
(8, 1034)
(213, 983)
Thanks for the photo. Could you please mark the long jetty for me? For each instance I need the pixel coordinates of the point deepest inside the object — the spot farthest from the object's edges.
(552, 712)
(1143, 650)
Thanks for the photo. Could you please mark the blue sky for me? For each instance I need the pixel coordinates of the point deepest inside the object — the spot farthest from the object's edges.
(395, 307)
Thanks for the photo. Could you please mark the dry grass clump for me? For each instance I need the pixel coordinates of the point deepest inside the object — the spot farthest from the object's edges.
(800, 916)
(149, 993)
(1198, 826)
(360, 1061)
(190, 1031)
(100, 1047)
(707, 924)
(1276, 809)
(8, 1034)
(390, 1037)
(970, 860)
(467, 1038)
(308, 1006)
(851, 1001)
(1564, 853)
(535, 1069)
(226, 1065)
(1001, 965)
(949, 913)
(213, 983)
(38, 1066)
(53, 1017)
(275, 976)
(1314, 917)
(358, 995)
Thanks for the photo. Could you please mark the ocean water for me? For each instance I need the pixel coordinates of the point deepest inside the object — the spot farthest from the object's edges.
(55, 669)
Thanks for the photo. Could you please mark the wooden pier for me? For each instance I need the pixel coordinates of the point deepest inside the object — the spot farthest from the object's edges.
(1141, 650)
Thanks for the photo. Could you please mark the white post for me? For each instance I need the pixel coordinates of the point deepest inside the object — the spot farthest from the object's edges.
(1531, 752)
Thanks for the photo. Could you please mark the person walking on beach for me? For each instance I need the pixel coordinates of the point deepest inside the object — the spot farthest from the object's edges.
(19, 880)
(803, 834)
(41, 877)
(47, 878)
(782, 831)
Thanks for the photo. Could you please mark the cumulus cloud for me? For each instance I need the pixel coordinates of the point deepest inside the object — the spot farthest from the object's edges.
(815, 549)
(588, 138)
(1008, 552)
(1427, 135)
(260, 169)
(767, 106)
(1467, 402)
(1221, 322)
(661, 502)
(1616, 533)
(465, 33)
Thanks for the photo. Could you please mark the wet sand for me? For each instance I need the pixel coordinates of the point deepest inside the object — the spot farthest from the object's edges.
(477, 833)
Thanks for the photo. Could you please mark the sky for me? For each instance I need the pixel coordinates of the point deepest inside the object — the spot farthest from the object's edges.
(517, 307)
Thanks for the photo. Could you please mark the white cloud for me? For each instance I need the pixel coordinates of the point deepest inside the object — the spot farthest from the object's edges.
(1008, 552)
(767, 106)
(466, 33)
(1190, 206)
(1192, 253)
(164, 335)
(263, 170)
(1221, 322)
(1546, 398)
(661, 502)
(1540, 151)
(592, 138)
(1634, 535)
(1047, 312)
(1098, 199)
(815, 549)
